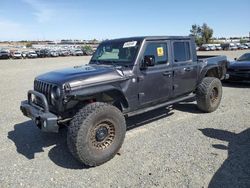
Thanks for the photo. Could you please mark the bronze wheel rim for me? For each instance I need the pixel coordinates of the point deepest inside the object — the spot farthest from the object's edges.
(214, 95)
(102, 135)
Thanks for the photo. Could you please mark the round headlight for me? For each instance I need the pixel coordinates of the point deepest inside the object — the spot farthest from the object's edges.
(55, 93)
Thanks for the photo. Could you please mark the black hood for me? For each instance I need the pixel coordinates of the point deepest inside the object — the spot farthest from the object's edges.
(88, 73)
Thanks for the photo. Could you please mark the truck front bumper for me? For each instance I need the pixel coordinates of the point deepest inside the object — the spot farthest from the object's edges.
(41, 116)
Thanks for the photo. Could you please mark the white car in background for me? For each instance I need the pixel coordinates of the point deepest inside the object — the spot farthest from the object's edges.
(208, 47)
(242, 47)
(212, 48)
(233, 47)
(77, 52)
(247, 45)
(16, 55)
(229, 46)
(31, 54)
(24, 54)
(54, 53)
(204, 47)
(64, 52)
(218, 46)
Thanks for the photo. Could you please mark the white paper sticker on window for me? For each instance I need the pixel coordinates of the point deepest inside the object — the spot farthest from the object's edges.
(129, 44)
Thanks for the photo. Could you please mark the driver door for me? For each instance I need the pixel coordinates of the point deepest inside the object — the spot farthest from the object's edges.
(155, 81)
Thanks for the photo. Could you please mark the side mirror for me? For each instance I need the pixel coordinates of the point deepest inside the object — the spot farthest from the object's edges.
(148, 61)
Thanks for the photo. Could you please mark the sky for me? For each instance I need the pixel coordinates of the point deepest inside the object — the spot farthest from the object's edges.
(89, 19)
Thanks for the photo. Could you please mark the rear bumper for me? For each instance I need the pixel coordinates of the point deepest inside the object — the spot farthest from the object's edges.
(41, 116)
(4, 57)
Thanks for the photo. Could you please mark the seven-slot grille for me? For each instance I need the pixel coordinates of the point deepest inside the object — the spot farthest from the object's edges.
(44, 88)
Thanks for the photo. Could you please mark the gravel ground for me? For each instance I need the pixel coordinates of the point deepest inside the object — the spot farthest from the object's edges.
(175, 147)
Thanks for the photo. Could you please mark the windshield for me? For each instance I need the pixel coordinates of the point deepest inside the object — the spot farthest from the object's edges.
(116, 52)
(245, 57)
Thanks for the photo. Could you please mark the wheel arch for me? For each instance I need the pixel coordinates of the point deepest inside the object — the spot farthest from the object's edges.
(212, 71)
(109, 94)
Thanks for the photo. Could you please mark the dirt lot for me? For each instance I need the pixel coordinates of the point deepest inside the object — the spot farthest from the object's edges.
(179, 147)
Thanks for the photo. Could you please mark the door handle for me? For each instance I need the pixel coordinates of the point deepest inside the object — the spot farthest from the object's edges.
(167, 73)
(187, 69)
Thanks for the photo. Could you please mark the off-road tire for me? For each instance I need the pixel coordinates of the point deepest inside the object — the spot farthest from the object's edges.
(208, 94)
(81, 141)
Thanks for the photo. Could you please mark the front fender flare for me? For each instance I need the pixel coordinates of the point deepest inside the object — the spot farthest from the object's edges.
(91, 91)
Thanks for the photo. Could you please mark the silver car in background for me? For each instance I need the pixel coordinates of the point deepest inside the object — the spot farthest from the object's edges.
(77, 52)
(32, 54)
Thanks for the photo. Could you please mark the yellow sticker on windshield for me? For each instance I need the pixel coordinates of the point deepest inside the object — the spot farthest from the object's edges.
(160, 51)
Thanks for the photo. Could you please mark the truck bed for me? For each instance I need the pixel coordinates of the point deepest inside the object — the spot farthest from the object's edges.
(202, 57)
(212, 59)
(216, 60)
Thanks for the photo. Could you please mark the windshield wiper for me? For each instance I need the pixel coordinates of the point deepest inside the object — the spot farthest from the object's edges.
(108, 62)
(115, 64)
(96, 62)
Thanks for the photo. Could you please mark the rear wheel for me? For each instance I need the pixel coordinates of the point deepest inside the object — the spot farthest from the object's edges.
(209, 94)
(96, 133)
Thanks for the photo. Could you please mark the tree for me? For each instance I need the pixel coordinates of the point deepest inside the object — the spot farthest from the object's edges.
(242, 41)
(28, 45)
(87, 48)
(94, 41)
(206, 33)
(202, 34)
(196, 32)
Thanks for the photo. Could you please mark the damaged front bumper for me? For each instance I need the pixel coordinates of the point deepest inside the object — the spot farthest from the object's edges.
(44, 119)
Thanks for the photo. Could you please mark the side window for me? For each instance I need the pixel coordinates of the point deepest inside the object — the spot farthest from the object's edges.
(181, 51)
(159, 51)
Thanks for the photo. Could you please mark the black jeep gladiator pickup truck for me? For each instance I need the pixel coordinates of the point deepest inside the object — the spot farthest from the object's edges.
(124, 77)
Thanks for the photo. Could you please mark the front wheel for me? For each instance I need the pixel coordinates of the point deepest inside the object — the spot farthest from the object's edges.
(209, 94)
(96, 133)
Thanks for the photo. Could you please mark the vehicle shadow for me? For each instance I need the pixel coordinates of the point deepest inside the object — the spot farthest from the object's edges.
(29, 140)
(235, 171)
(148, 117)
(187, 107)
(239, 84)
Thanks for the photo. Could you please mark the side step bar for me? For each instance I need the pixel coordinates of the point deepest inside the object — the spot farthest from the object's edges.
(143, 110)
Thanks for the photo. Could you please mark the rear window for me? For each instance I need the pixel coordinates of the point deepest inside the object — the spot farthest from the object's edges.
(182, 51)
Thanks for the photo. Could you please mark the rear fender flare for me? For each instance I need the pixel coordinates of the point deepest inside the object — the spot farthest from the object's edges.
(207, 69)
